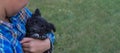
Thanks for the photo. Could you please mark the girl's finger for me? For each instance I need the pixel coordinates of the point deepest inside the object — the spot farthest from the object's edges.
(26, 50)
(25, 40)
(26, 45)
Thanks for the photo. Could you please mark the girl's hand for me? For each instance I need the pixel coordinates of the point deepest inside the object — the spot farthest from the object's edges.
(31, 45)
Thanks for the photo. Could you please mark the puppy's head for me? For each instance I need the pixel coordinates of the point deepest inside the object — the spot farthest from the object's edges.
(37, 24)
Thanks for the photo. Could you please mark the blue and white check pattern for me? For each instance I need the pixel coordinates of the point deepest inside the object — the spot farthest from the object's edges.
(12, 33)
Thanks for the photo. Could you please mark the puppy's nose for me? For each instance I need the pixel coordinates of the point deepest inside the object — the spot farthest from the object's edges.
(35, 28)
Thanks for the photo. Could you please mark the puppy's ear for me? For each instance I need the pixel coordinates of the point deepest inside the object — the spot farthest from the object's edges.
(52, 27)
(37, 12)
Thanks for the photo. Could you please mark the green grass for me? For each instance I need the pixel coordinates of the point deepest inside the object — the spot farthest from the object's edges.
(83, 26)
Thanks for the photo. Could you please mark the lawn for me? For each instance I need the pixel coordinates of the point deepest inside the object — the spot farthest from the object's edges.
(83, 26)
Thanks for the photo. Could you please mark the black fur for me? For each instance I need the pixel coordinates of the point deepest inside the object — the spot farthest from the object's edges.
(37, 27)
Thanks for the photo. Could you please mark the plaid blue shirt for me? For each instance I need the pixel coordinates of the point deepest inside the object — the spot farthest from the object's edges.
(12, 33)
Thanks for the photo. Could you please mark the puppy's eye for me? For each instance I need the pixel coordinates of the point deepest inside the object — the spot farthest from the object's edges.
(36, 21)
(42, 25)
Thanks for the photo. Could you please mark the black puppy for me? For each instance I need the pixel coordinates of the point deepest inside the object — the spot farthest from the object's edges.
(37, 27)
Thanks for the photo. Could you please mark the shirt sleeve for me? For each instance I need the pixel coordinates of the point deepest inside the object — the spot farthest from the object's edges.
(5, 46)
(50, 35)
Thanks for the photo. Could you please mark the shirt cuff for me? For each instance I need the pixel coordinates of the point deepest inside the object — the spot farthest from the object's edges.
(51, 37)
